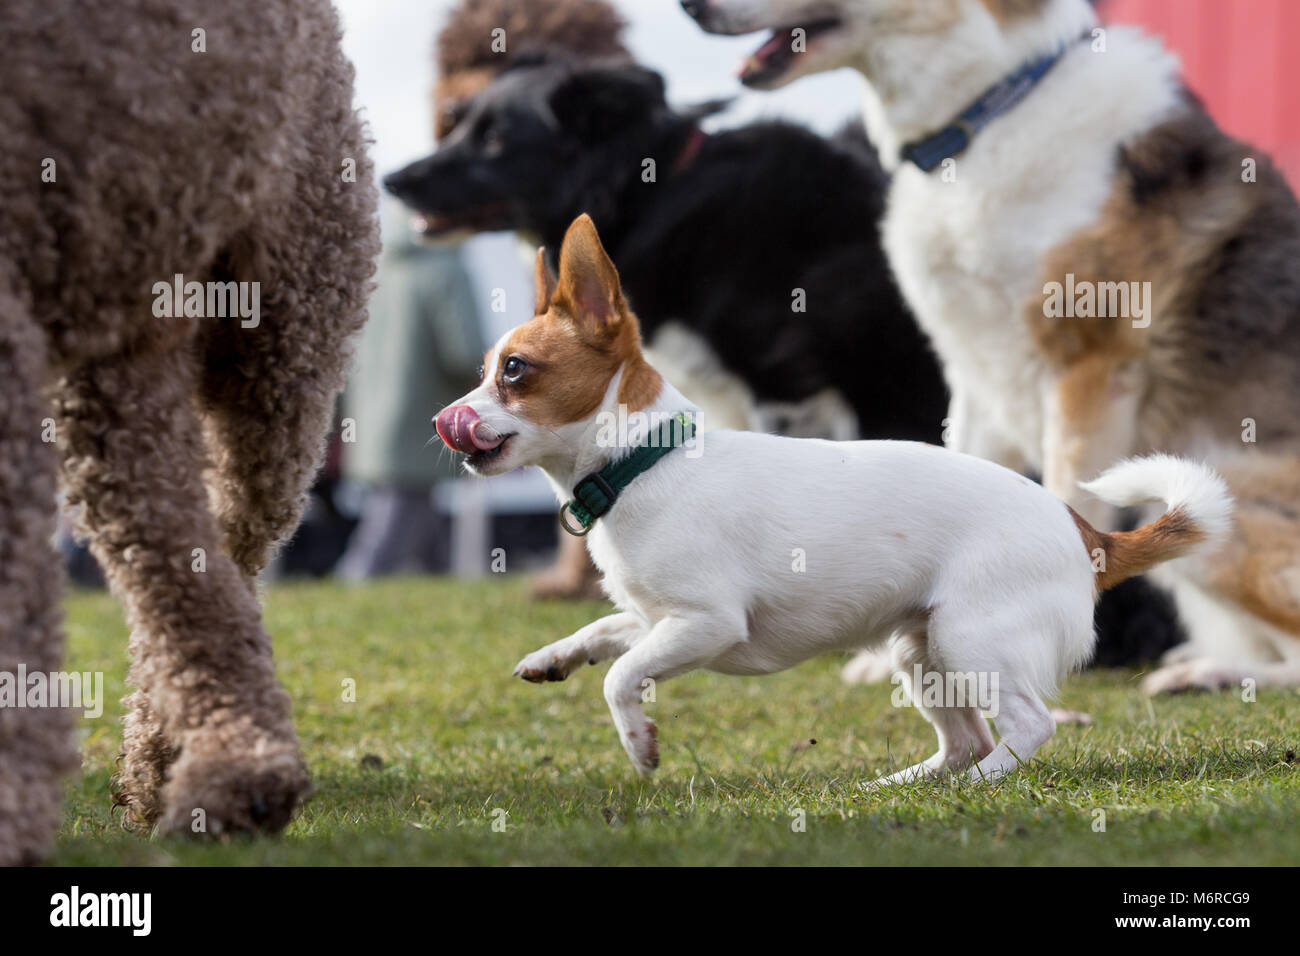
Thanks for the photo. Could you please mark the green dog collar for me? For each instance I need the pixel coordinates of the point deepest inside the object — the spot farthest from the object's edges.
(596, 493)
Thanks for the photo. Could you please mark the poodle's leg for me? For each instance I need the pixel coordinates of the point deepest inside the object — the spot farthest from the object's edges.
(269, 384)
(147, 755)
(134, 464)
(36, 743)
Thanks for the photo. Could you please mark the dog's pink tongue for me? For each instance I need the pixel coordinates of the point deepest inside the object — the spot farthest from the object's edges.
(459, 427)
(757, 61)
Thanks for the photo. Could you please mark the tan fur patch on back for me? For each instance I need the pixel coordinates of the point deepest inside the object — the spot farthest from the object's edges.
(1177, 206)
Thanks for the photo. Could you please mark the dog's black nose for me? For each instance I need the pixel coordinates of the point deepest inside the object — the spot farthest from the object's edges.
(395, 182)
(694, 8)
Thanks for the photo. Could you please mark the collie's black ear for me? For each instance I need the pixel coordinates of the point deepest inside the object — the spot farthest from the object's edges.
(594, 102)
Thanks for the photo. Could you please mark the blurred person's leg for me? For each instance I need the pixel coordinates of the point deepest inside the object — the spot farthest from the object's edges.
(572, 576)
(398, 529)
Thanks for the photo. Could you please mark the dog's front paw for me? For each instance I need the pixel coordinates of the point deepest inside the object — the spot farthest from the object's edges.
(544, 665)
(1200, 673)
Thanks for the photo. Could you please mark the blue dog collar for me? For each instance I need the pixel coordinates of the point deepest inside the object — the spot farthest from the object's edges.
(928, 153)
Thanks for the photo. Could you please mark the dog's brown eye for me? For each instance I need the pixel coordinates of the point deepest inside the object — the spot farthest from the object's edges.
(480, 373)
(513, 369)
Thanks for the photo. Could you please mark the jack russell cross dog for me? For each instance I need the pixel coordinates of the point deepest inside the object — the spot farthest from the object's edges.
(746, 553)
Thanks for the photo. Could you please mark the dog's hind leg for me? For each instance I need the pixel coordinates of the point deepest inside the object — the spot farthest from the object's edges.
(36, 743)
(134, 463)
(270, 381)
(1024, 723)
(964, 735)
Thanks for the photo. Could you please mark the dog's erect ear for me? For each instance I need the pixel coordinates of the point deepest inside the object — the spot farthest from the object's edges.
(545, 282)
(588, 291)
(593, 103)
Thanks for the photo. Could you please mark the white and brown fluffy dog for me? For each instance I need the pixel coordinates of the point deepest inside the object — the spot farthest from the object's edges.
(1102, 271)
(746, 553)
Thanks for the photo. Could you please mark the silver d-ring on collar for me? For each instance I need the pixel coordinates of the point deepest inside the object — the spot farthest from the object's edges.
(564, 523)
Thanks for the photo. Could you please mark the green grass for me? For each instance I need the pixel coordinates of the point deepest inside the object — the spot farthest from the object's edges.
(1206, 779)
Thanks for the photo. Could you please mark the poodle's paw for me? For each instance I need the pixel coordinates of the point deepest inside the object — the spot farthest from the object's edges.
(139, 799)
(1200, 673)
(255, 790)
(868, 667)
(642, 746)
(142, 767)
(31, 809)
(37, 753)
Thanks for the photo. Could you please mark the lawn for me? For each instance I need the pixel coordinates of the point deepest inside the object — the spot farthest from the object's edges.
(443, 758)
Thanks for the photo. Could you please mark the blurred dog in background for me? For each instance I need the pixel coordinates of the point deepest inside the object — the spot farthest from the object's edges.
(759, 293)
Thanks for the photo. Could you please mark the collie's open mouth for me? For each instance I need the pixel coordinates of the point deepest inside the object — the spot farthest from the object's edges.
(774, 58)
(491, 218)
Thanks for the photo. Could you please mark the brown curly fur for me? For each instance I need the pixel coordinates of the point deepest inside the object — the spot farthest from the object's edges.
(173, 433)
(467, 63)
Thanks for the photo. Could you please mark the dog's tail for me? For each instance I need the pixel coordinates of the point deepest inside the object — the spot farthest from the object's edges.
(1199, 512)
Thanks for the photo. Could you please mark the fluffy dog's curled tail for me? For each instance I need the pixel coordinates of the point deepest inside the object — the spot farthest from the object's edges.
(1199, 512)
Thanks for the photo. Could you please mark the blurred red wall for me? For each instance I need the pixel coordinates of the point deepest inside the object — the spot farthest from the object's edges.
(1241, 57)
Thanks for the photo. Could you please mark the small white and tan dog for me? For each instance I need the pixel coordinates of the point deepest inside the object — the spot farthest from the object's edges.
(747, 553)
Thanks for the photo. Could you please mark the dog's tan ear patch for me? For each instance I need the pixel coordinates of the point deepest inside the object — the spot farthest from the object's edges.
(545, 282)
(589, 291)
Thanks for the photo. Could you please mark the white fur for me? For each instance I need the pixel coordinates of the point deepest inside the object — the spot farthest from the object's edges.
(751, 553)
(1195, 488)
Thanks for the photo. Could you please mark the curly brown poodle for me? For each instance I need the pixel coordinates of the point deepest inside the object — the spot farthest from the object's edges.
(146, 139)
